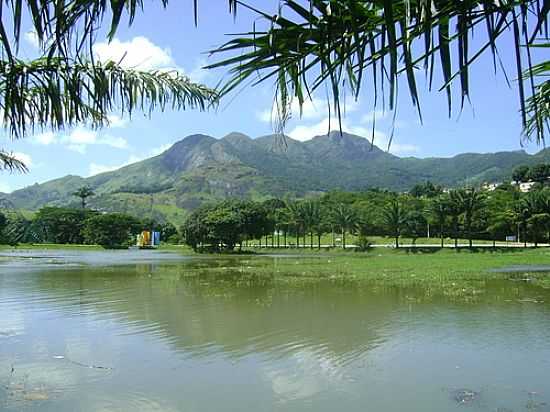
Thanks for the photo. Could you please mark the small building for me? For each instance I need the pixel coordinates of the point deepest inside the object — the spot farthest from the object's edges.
(148, 240)
(490, 187)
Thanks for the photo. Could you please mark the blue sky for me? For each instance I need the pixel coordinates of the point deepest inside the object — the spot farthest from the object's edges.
(168, 39)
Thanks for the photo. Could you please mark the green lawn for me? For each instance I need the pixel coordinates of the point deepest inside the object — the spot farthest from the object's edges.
(49, 246)
(455, 273)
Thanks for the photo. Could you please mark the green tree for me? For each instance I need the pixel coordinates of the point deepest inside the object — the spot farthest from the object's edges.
(296, 220)
(224, 227)
(168, 232)
(61, 225)
(3, 226)
(226, 224)
(194, 230)
(521, 174)
(311, 214)
(427, 189)
(257, 220)
(83, 193)
(393, 217)
(539, 173)
(539, 226)
(111, 230)
(469, 201)
(415, 225)
(439, 211)
(500, 225)
(345, 218)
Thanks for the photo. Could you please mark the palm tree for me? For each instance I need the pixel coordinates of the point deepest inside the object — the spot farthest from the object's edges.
(344, 217)
(454, 211)
(393, 217)
(84, 193)
(311, 214)
(521, 214)
(469, 201)
(439, 210)
(66, 85)
(296, 219)
(533, 210)
(341, 44)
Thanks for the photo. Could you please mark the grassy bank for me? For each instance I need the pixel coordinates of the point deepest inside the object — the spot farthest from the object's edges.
(460, 270)
(450, 272)
(49, 246)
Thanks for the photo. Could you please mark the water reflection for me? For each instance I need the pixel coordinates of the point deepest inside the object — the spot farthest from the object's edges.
(152, 337)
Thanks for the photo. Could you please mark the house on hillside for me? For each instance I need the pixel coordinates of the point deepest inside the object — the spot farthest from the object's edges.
(490, 187)
(525, 187)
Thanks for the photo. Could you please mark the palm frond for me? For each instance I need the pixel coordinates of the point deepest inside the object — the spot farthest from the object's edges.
(335, 42)
(56, 93)
(69, 27)
(10, 163)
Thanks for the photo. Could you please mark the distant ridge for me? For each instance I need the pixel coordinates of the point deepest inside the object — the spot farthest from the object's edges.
(201, 168)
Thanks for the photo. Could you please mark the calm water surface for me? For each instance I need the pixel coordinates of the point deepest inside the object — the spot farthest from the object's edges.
(149, 337)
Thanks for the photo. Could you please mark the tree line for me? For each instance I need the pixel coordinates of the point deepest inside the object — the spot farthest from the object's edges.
(60, 225)
(427, 210)
(539, 173)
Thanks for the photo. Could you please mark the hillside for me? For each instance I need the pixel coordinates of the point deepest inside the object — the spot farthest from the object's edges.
(200, 168)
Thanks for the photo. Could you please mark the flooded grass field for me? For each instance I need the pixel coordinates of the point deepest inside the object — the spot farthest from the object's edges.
(122, 331)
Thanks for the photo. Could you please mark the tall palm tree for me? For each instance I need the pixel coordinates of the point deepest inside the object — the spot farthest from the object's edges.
(521, 214)
(296, 219)
(311, 214)
(84, 193)
(533, 210)
(455, 210)
(439, 210)
(340, 44)
(393, 217)
(344, 217)
(469, 201)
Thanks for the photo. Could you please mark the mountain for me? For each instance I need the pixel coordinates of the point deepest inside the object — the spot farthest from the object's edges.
(200, 168)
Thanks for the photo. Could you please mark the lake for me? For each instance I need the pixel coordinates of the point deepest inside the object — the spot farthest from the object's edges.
(117, 331)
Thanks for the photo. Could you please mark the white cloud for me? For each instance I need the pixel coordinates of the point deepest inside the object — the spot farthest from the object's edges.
(117, 121)
(80, 138)
(374, 114)
(113, 141)
(5, 188)
(138, 53)
(311, 109)
(304, 132)
(198, 74)
(307, 132)
(23, 157)
(161, 149)
(404, 149)
(32, 38)
(45, 138)
(96, 168)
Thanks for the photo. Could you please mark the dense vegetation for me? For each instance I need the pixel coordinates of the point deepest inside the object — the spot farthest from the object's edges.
(78, 226)
(427, 210)
(201, 169)
(468, 213)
